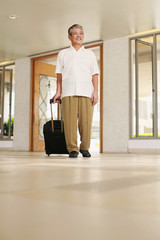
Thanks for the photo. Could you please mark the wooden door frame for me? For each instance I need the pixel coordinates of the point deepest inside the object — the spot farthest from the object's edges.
(101, 92)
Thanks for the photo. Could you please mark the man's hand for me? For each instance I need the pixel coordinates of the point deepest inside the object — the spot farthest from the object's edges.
(94, 98)
(56, 96)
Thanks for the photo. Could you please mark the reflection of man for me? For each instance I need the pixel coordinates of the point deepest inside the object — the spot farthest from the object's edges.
(77, 79)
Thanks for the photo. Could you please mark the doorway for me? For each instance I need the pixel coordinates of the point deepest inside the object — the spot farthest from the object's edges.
(144, 88)
(7, 94)
(43, 88)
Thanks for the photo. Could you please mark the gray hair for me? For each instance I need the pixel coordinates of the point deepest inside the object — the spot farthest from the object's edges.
(74, 26)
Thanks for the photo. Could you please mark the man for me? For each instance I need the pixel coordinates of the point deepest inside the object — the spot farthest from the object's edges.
(77, 80)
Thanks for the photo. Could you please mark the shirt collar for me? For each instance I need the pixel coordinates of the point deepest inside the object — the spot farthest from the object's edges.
(82, 48)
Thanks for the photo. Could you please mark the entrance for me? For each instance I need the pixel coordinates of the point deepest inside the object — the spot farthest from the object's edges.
(145, 97)
(144, 89)
(7, 83)
(44, 88)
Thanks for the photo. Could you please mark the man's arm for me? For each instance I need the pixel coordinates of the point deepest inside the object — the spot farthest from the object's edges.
(59, 87)
(94, 97)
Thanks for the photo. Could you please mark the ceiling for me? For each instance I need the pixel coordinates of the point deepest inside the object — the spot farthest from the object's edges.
(42, 25)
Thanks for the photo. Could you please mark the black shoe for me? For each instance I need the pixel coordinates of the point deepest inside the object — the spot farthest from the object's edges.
(85, 153)
(73, 154)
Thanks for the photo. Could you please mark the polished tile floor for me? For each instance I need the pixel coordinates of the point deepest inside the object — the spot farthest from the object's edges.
(106, 197)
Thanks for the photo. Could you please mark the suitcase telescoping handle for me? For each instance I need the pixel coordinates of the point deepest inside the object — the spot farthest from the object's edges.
(51, 101)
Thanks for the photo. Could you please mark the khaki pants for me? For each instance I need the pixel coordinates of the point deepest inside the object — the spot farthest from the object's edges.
(81, 109)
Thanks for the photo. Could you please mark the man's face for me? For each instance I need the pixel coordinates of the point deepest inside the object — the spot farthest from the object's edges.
(77, 36)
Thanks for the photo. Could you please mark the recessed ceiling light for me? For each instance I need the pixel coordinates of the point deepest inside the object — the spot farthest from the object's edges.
(12, 17)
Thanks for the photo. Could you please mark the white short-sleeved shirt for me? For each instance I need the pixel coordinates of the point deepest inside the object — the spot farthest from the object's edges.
(77, 69)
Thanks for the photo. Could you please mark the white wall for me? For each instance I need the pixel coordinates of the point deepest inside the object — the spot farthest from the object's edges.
(22, 104)
(116, 95)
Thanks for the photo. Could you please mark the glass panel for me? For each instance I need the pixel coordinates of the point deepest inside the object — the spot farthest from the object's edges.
(1, 92)
(158, 81)
(95, 132)
(145, 104)
(148, 39)
(133, 89)
(6, 112)
(46, 92)
(10, 99)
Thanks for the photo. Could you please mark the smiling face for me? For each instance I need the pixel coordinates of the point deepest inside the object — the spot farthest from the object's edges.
(76, 36)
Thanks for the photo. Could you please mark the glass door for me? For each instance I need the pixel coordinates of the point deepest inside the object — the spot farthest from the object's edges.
(1, 101)
(144, 86)
(158, 81)
(6, 102)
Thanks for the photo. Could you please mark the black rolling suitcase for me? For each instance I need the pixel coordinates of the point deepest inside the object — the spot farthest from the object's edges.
(54, 135)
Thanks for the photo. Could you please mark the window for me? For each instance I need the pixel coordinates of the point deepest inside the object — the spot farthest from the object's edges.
(145, 86)
(7, 90)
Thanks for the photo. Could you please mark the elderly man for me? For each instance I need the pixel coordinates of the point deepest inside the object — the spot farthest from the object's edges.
(77, 80)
